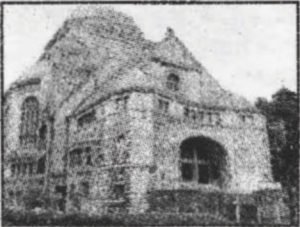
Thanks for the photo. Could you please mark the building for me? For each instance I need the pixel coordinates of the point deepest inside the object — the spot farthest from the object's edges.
(107, 119)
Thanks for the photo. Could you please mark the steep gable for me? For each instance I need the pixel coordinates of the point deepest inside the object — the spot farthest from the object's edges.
(172, 50)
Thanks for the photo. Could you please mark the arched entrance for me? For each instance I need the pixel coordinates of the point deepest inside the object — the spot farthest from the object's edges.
(203, 160)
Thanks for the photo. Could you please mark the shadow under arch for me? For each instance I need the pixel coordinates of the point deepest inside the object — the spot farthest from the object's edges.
(203, 160)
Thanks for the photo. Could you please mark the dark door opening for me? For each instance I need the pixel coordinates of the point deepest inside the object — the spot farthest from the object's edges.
(61, 191)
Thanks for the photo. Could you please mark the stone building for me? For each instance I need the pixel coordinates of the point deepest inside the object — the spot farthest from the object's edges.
(108, 120)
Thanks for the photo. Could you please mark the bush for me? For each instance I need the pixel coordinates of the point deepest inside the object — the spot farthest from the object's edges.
(30, 218)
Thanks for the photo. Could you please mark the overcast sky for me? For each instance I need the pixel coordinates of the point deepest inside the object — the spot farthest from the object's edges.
(249, 49)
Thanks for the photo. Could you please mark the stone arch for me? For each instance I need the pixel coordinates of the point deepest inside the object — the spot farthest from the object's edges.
(29, 120)
(203, 160)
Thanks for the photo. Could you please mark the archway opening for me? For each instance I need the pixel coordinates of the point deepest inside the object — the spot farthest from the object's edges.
(203, 160)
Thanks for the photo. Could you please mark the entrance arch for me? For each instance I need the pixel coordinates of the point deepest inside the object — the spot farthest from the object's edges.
(203, 160)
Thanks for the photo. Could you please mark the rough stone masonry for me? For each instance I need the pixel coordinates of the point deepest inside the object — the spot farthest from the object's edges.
(107, 120)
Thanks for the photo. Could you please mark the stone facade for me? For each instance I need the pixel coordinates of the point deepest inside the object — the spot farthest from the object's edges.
(118, 110)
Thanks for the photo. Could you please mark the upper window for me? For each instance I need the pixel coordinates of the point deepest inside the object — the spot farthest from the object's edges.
(190, 113)
(85, 188)
(246, 118)
(80, 157)
(41, 166)
(122, 102)
(75, 157)
(173, 82)
(29, 121)
(163, 105)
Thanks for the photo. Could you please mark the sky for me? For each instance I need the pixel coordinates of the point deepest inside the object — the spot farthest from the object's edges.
(249, 49)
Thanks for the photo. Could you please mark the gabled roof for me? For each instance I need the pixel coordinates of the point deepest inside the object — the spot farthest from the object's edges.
(32, 76)
(72, 49)
(172, 50)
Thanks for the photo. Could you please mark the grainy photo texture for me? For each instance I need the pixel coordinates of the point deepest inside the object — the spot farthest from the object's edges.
(135, 115)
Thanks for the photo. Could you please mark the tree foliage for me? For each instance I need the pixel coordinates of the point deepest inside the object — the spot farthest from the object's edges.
(283, 124)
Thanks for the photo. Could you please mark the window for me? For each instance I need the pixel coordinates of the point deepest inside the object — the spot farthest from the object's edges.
(18, 193)
(61, 191)
(29, 121)
(30, 168)
(162, 176)
(186, 112)
(122, 102)
(210, 121)
(43, 136)
(119, 191)
(18, 169)
(75, 158)
(41, 165)
(87, 118)
(119, 175)
(43, 132)
(13, 169)
(11, 194)
(248, 213)
(202, 160)
(191, 113)
(243, 118)
(195, 167)
(88, 157)
(246, 118)
(163, 106)
(79, 157)
(100, 159)
(201, 116)
(250, 117)
(85, 188)
(173, 82)
(24, 169)
(219, 119)
(120, 153)
(121, 138)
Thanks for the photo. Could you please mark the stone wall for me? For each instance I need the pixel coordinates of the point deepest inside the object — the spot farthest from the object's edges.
(14, 101)
(245, 142)
(263, 207)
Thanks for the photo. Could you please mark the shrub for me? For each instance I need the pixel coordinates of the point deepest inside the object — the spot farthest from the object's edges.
(30, 218)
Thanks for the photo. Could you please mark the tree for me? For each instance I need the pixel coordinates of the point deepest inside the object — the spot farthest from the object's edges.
(283, 124)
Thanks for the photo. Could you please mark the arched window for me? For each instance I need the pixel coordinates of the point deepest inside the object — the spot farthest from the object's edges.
(29, 121)
(202, 160)
(173, 82)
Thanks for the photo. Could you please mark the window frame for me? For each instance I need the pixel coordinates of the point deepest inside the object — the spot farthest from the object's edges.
(30, 119)
(172, 82)
(122, 102)
(117, 195)
(163, 105)
(81, 156)
(195, 162)
(85, 188)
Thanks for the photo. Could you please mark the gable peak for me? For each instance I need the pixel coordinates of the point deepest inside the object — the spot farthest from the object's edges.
(169, 33)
